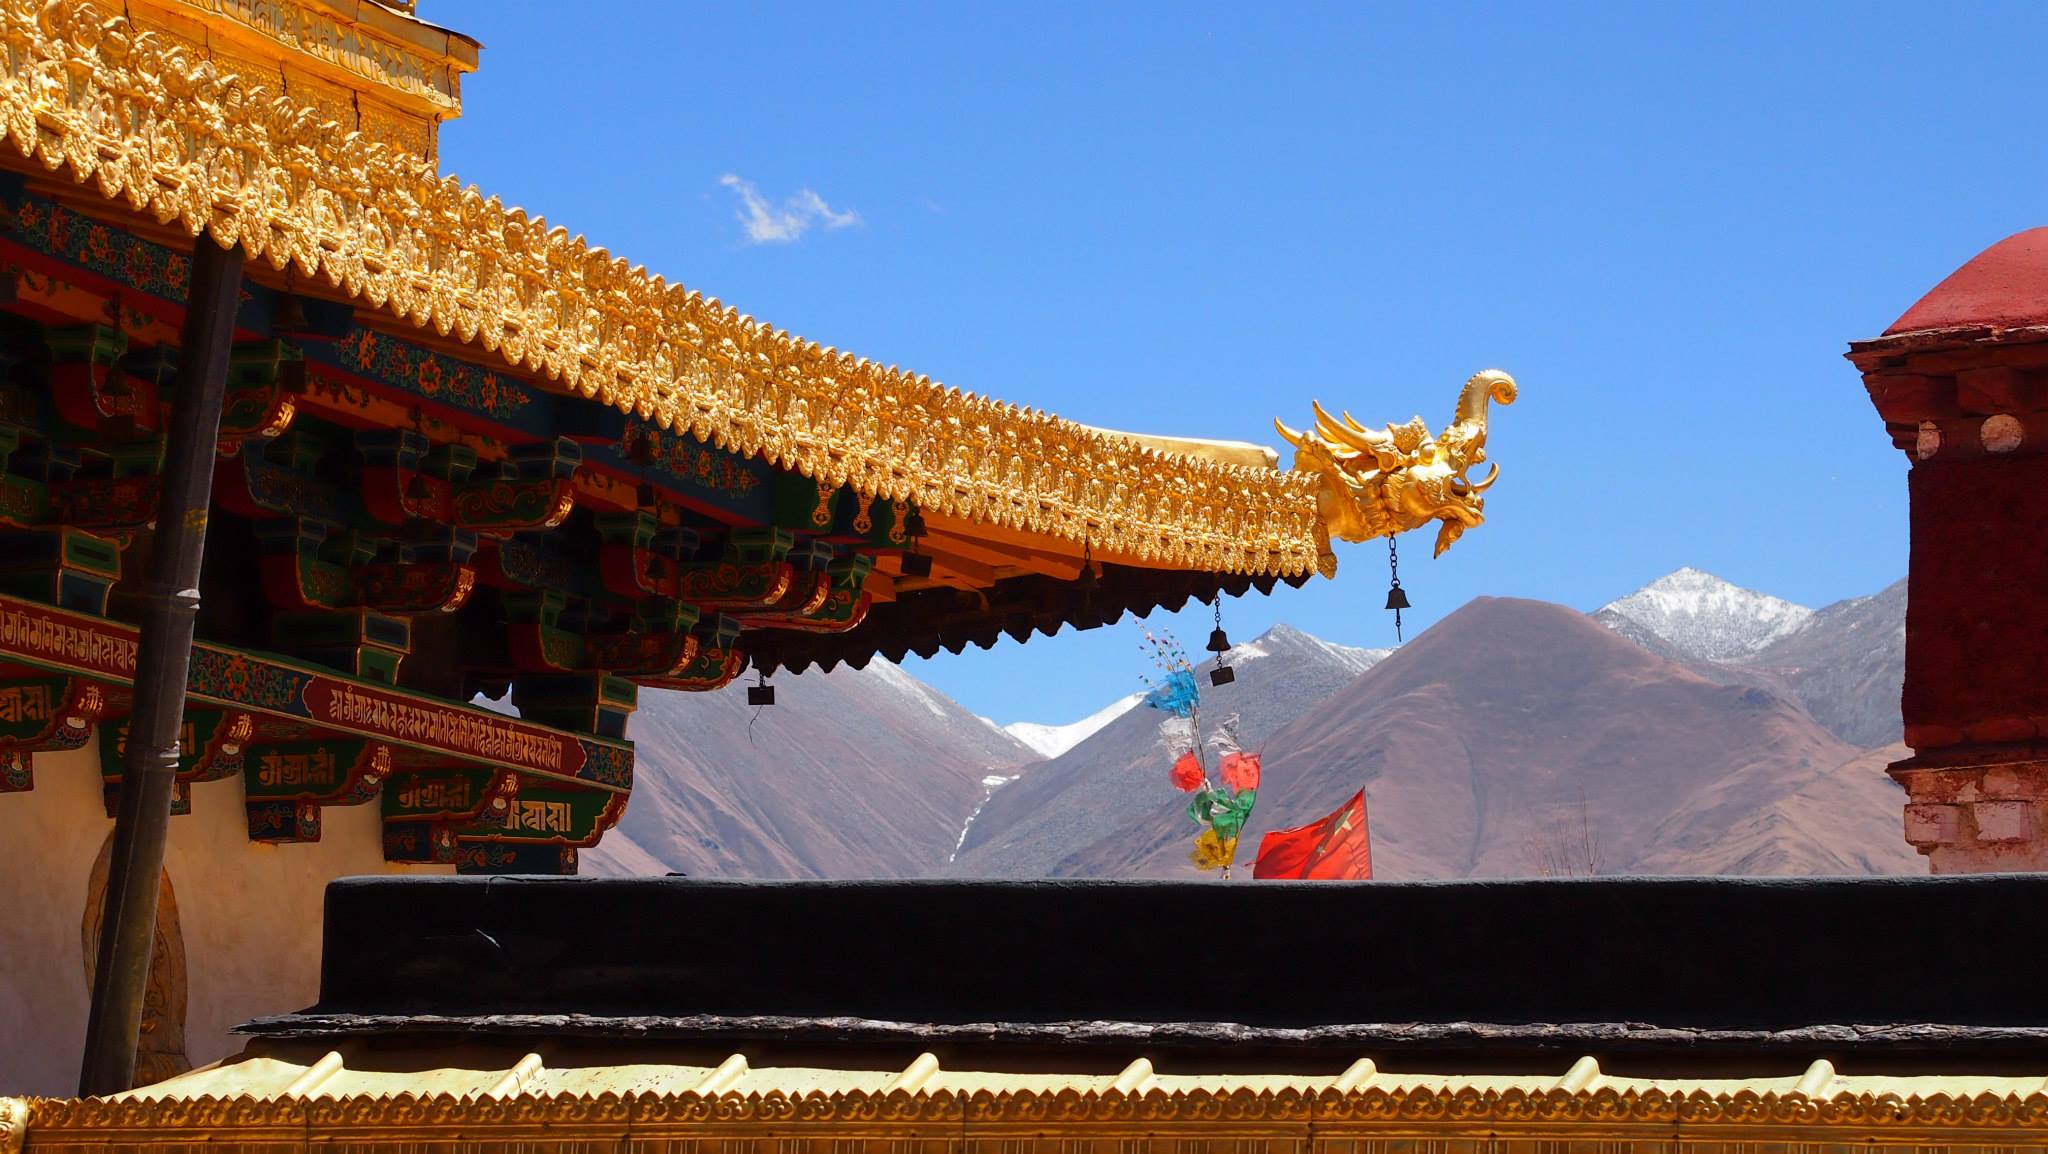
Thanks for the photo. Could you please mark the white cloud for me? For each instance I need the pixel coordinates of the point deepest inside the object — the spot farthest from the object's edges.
(769, 223)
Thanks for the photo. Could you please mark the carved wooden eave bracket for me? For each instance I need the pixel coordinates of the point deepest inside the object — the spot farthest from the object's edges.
(156, 129)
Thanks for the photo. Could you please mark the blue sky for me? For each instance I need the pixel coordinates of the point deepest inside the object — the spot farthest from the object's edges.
(1667, 222)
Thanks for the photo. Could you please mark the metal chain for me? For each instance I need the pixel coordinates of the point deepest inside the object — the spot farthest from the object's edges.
(1394, 569)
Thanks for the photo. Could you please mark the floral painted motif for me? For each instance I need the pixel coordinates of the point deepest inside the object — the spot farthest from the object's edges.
(236, 677)
(435, 377)
(689, 460)
(16, 769)
(54, 230)
(606, 764)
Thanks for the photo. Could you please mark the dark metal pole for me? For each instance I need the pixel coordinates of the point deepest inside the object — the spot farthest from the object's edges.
(170, 605)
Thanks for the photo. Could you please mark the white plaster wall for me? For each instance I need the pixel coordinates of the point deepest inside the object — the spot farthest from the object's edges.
(250, 915)
(48, 839)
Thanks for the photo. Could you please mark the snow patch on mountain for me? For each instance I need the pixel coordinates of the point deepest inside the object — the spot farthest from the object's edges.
(892, 675)
(1350, 657)
(1703, 617)
(989, 785)
(1245, 654)
(917, 694)
(1281, 640)
(1054, 740)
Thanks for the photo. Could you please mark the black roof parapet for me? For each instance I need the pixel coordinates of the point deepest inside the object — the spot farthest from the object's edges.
(1657, 964)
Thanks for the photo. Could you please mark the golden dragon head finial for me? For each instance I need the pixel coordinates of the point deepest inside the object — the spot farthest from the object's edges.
(1380, 481)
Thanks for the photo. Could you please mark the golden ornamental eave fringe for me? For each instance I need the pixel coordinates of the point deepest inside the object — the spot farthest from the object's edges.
(159, 130)
(55, 1122)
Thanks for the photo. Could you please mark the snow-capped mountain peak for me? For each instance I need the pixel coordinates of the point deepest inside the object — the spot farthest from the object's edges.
(1698, 615)
(1284, 636)
(1053, 740)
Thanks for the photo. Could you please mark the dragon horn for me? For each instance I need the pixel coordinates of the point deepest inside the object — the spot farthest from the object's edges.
(1335, 430)
(1289, 435)
(1463, 485)
(1483, 386)
(1330, 432)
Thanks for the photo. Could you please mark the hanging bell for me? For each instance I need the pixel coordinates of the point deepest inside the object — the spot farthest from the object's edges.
(417, 489)
(1396, 600)
(288, 314)
(1219, 644)
(644, 495)
(915, 564)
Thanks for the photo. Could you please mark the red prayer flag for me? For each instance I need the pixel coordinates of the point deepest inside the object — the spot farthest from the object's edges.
(1333, 849)
(1239, 771)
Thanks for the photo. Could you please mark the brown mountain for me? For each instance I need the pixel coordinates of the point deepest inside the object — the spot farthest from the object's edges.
(1843, 820)
(1518, 735)
(1116, 779)
(1844, 663)
(1515, 737)
(852, 773)
(1847, 665)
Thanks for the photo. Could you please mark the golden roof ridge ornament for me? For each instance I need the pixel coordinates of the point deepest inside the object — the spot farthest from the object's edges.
(1376, 482)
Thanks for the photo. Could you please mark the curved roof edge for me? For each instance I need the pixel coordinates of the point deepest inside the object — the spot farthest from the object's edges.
(158, 131)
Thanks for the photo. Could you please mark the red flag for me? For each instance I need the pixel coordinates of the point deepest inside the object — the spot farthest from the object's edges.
(1333, 849)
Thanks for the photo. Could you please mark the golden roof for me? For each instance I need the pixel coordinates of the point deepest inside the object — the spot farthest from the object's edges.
(280, 1101)
(158, 129)
(369, 65)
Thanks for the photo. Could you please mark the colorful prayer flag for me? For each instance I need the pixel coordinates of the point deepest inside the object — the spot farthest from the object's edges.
(1176, 695)
(1213, 851)
(1239, 770)
(1333, 849)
